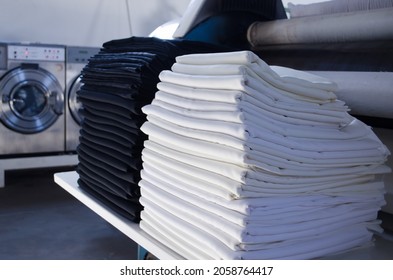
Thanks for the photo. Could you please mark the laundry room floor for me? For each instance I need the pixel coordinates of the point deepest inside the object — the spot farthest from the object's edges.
(40, 220)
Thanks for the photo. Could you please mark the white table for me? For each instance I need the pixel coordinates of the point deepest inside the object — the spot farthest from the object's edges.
(383, 248)
(68, 181)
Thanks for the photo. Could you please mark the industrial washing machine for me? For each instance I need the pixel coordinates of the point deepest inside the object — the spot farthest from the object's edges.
(76, 58)
(32, 84)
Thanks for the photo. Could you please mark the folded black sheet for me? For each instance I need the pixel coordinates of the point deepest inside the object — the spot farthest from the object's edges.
(133, 163)
(128, 209)
(99, 156)
(132, 121)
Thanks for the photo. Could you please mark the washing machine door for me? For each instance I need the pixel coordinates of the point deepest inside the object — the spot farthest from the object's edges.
(31, 99)
(73, 104)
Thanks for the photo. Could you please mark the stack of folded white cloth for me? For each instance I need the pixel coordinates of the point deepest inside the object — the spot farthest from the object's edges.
(248, 161)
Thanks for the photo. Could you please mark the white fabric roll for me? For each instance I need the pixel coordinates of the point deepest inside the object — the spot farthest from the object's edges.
(367, 93)
(336, 6)
(360, 26)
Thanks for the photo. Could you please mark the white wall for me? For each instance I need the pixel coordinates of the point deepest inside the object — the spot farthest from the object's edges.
(83, 22)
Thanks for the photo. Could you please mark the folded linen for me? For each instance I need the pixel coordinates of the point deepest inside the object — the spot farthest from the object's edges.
(234, 183)
(161, 194)
(265, 77)
(109, 159)
(365, 148)
(261, 207)
(175, 240)
(128, 209)
(218, 250)
(127, 119)
(260, 210)
(239, 82)
(233, 96)
(253, 126)
(245, 105)
(241, 168)
(271, 154)
(281, 75)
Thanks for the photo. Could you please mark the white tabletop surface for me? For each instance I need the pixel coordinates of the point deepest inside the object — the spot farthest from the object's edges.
(68, 181)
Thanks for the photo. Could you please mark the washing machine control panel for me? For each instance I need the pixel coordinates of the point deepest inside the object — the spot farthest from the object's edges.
(80, 54)
(42, 53)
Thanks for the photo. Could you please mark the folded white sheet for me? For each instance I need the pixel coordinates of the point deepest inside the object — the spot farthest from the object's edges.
(161, 193)
(268, 97)
(265, 77)
(257, 208)
(234, 183)
(239, 82)
(171, 238)
(270, 154)
(243, 109)
(240, 169)
(268, 146)
(256, 127)
(247, 104)
(280, 77)
(343, 239)
(208, 243)
(222, 229)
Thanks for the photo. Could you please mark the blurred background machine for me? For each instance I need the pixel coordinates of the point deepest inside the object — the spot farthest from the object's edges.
(76, 59)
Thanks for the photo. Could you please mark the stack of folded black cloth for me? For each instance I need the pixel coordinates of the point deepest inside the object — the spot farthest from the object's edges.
(117, 83)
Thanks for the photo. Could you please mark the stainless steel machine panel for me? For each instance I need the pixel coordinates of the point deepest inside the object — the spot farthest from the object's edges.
(32, 83)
